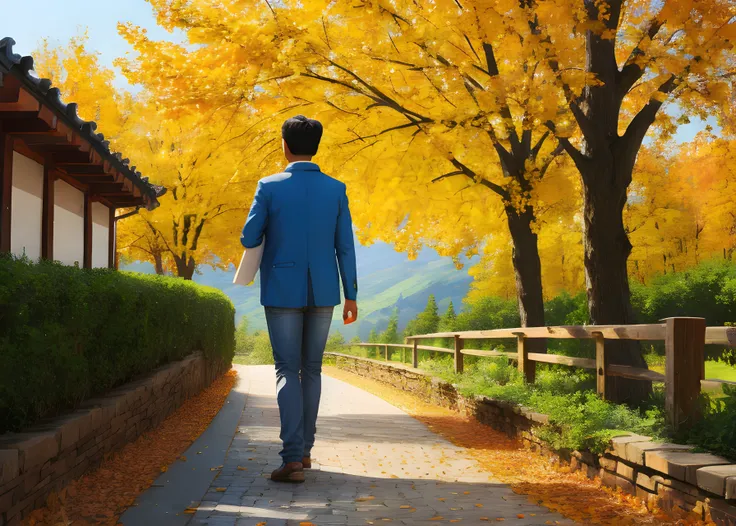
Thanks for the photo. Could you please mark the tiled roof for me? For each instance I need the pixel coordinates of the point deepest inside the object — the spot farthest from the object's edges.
(42, 89)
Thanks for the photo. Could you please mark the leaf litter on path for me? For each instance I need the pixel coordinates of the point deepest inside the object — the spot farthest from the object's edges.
(544, 481)
(102, 495)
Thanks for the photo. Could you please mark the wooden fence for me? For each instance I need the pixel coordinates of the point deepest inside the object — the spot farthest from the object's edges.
(684, 339)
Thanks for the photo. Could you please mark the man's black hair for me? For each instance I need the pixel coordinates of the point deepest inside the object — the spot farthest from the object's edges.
(302, 135)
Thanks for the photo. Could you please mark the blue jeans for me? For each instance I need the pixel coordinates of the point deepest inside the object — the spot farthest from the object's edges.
(298, 338)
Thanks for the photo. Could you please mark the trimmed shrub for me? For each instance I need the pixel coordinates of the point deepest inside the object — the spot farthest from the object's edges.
(67, 334)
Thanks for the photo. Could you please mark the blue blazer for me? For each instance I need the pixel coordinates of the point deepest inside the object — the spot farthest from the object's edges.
(305, 217)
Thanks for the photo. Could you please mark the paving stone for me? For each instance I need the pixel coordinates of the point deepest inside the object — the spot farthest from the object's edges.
(371, 462)
(635, 451)
(618, 444)
(714, 478)
(681, 465)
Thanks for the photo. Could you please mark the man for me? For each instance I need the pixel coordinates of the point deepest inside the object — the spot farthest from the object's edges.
(305, 218)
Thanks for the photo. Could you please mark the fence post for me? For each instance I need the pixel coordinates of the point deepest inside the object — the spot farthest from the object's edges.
(414, 355)
(527, 367)
(684, 349)
(600, 365)
(458, 354)
(385, 352)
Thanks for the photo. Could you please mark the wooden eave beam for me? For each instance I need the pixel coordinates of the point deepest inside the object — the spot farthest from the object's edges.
(44, 137)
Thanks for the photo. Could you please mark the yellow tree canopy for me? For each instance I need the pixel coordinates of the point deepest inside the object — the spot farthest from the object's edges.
(201, 158)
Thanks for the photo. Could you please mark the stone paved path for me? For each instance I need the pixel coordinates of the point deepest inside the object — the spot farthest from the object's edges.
(375, 465)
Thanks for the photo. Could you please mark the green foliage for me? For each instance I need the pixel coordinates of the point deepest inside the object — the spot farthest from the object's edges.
(568, 310)
(448, 321)
(579, 419)
(373, 336)
(391, 334)
(252, 348)
(426, 321)
(67, 334)
(707, 290)
(488, 313)
(335, 343)
(716, 432)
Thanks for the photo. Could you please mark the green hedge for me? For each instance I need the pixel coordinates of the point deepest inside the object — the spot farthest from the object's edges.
(67, 334)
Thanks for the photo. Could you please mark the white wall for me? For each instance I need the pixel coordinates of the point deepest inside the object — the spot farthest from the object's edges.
(27, 207)
(100, 235)
(68, 224)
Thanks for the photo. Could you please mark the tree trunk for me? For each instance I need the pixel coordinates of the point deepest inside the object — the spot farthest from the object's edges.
(606, 164)
(159, 263)
(607, 250)
(184, 266)
(528, 272)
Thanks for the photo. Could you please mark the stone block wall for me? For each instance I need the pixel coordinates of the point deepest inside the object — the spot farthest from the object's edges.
(46, 457)
(669, 476)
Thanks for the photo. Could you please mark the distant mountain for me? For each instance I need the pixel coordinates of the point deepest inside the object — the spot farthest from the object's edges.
(386, 279)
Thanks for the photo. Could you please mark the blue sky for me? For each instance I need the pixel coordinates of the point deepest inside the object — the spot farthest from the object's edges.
(29, 21)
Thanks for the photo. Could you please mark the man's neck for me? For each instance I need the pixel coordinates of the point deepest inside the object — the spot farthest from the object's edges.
(299, 158)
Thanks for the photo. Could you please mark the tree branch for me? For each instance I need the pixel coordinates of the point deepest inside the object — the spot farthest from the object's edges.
(639, 125)
(505, 112)
(462, 168)
(632, 70)
(449, 174)
(555, 153)
(538, 146)
(580, 160)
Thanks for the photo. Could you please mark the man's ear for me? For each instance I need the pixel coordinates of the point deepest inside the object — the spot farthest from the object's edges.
(285, 147)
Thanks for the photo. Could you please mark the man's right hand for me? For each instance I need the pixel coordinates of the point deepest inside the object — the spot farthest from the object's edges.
(350, 311)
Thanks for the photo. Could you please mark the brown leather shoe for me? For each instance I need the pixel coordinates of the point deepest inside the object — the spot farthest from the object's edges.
(291, 472)
(307, 462)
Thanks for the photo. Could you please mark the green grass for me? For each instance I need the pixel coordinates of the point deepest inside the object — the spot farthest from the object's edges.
(720, 371)
(713, 371)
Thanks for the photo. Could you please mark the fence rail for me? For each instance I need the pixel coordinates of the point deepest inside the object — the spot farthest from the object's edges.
(684, 339)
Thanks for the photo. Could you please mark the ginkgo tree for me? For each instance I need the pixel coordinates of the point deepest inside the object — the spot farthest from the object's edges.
(471, 88)
(416, 84)
(200, 158)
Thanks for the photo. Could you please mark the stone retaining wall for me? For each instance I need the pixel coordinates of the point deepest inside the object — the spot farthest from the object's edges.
(48, 456)
(669, 476)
